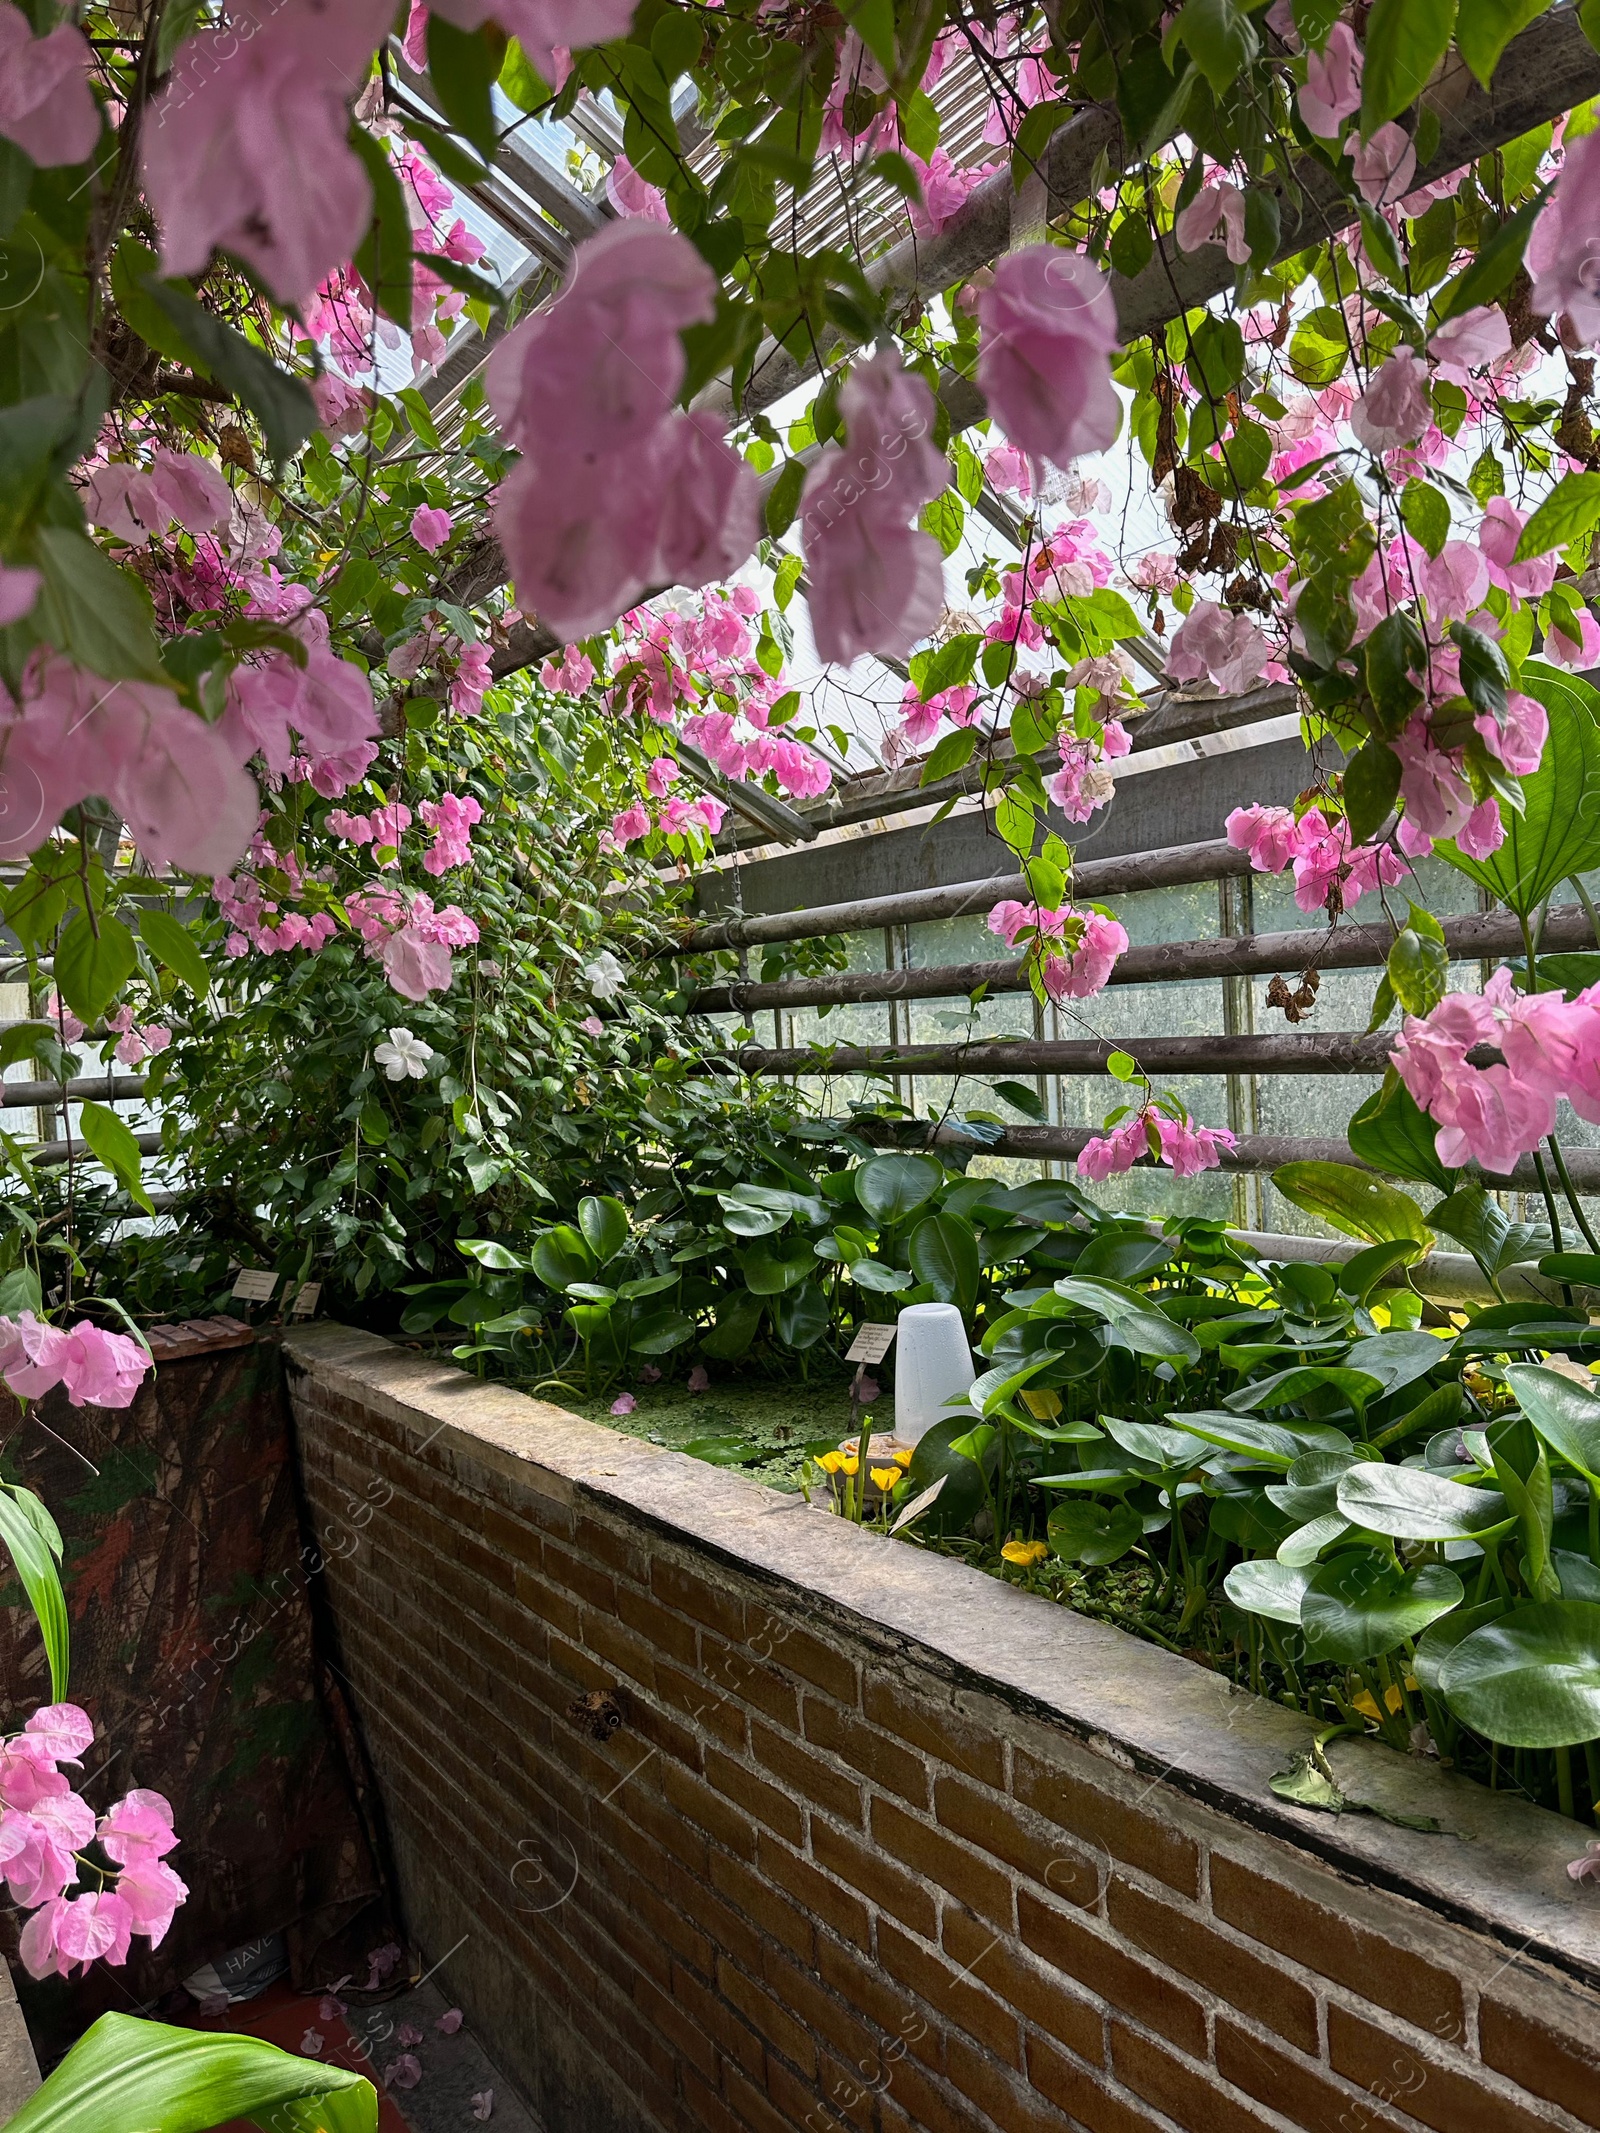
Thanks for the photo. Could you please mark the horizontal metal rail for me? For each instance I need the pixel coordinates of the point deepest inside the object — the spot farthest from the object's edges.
(1256, 1154)
(1169, 719)
(1173, 866)
(1237, 956)
(90, 1088)
(52, 1152)
(1321, 1052)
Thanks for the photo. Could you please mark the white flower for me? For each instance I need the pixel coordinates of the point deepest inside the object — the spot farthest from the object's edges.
(604, 976)
(403, 1055)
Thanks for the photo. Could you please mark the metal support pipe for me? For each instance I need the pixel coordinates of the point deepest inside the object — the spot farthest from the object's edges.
(1325, 1052)
(49, 1153)
(1173, 866)
(1483, 937)
(88, 1089)
(1257, 1153)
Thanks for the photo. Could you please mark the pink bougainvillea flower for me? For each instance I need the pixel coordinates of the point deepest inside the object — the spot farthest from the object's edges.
(1007, 469)
(631, 824)
(46, 105)
(1559, 647)
(59, 1733)
(135, 502)
(1114, 1152)
(1395, 407)
(311, 2044)
(1218, 205)
(449, 2022)
(569, 676)
(1331, 91)
(1049, 329)
(1082, 974)
(1497, 537)
(592, 1026)
(342, 408)
(945, 190)
(699, 1379)
(663, 771)
(415, 966)
(328, 702)
(1455, 582)
(708, 510)
(1563, 254)
(18, 591)
(1216, 645)
(877, 584)
(139, 1826)
(103, 1369)
(431, 528)
(624, 1404)
(1190, 1148)
(403, 2073)
(247, 146)
(630, 194)
(1269, 834)
(546, 29)
(1385, 165)
(483, 2106)
(1470, 342)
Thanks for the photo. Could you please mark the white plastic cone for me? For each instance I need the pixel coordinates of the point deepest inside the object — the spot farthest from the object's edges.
(933, 1364)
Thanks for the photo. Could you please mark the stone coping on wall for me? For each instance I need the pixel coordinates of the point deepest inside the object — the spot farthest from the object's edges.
(1498, 1865)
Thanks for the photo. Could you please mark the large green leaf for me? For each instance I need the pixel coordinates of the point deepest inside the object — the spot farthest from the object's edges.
(93, 963)
(1277, 1444)
(281, 404)
(92, 610)
(1485, 27)
(738, 1320)
(1394, 1136)
(604, 1224)
(890, 1187)
(801, 1317)
(1406, 39)
(1440, 1639)
(944, 1255)
(127, 2074)
(1146, 1330)
(1093, 1533)
(1354, 1201)
(1269, 1588)
(1558, 833)
(1530, 1679)
(561, 1257)
(768, 1274)
(1360, 1604)
(112, 1141)
(41, 1581)
(1488, 1232)
(1408, 1504)
(1397, 1359)
(171, 943)
(1564, 1413)
(936, 1459)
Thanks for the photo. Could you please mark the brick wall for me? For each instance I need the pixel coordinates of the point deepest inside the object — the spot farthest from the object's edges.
(879, 1842)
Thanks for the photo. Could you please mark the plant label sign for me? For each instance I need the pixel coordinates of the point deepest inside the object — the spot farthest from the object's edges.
(255, 1285)
(306, 1299)
(871, 1344)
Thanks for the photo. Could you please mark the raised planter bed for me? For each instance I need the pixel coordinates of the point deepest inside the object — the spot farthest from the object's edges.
(729, 1815)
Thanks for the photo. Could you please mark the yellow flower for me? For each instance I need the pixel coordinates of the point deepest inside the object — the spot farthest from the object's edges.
(1367, 1706)
(1027, 1553)
(903, 1457)
(884, 1477)
(830, 1462)
(848, 1463)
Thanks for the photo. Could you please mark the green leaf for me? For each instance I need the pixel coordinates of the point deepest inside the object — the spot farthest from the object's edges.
(1146, 1329)
(919, 124)
(1564, 1413)
(1269, 1588)
(1419, 971)
(1472, 1218)
(953, 752)
(95, 613)
(1493, 267)
(890, 1187)
(172, 944)
(604, 1226)
(1531, 1679)
(41, 1581)
(133, 266)
(1407, 1503)
(113, 1142)
(767, 1274)
(1360, 1604)
(873, 23)
(783, 498)
(1440, 1639)
(738, 1321)
(1381, 245)
(800, 1318)
(1393, 1135)
(561, 1257)
(281, 404)
(384, 256)
(1426, 512)
(1558, 832)
(1371, 787)
(1020, 1097)
(93, 966)
(1406, 39)
(1571, 510)
(448, 154)
(660, 1333)
(126, 2073)
(1220, 38)
(1485, 27)
(1353, 1201)
(1093, 1533)
(944, 1256)
(724, 1451)
(1217, 355)
(945, 518)
(463, 66)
